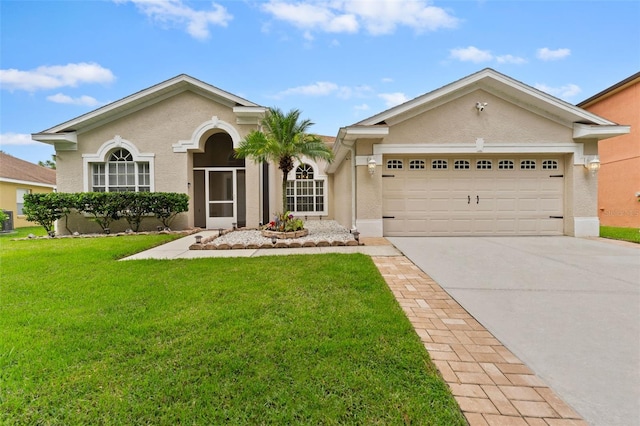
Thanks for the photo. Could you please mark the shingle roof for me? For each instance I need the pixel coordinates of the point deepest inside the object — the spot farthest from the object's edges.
(17, 169)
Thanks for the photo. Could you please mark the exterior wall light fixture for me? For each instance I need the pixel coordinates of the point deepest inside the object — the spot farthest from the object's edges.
(371, 166)
(592, 164)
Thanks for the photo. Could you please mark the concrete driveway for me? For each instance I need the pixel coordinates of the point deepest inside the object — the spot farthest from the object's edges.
(567, 307)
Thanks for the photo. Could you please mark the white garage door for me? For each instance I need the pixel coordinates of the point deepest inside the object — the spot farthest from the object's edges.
(472, 195)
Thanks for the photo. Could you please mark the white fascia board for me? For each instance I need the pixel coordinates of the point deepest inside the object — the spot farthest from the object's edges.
(516, 148)
(599, 132)
(27, 183)
(66, 141)
(347, 136)
(364, 132)
(249, 114)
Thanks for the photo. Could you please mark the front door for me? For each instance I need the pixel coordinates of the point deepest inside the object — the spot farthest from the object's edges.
(224, 187)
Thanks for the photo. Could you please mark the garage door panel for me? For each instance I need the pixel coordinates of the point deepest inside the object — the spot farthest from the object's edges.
(506, 205)
(473, 201)
(439, 205)
(417, 204)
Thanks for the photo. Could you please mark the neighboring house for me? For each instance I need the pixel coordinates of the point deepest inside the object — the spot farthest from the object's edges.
(19, 177)
(619, 176)
(441, 165)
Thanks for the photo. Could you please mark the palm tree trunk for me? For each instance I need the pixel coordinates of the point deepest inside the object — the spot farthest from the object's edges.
(284, 192)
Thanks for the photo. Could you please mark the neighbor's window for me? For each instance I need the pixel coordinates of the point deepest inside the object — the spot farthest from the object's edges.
(305, 194)
(20, 193)
(549, 165)
(120, 173)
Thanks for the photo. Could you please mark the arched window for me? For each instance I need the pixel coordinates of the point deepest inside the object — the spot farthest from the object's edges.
(120, 173)
(305, 194)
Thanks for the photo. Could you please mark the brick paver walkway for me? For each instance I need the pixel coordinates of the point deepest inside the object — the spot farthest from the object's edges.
(491, 385)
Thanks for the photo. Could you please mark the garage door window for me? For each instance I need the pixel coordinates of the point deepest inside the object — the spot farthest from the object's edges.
(394, 164)
(505, 165)
(483, 164)
(439, 164)
(549, 165)
(416, 165)
(527, 164)
(461, 165)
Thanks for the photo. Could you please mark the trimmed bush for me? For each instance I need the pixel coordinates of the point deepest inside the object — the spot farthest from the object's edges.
(105, 207)
(45, 209)
(167, 205)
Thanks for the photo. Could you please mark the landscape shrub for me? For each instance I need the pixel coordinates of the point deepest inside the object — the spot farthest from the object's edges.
(44, 209)
(105, 207)
(167, 205)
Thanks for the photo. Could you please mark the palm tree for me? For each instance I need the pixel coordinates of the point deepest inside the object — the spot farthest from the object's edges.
(283, 139)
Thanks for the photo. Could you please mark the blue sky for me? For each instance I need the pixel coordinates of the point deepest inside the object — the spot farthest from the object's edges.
(337, 61)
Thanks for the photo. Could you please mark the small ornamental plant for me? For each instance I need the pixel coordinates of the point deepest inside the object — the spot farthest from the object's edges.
(285, 222)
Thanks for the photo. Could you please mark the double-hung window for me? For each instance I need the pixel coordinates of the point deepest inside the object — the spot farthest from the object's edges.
(305, 194)
(120, 173)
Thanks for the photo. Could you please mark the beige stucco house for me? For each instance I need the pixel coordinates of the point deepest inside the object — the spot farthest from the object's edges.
(485, 155)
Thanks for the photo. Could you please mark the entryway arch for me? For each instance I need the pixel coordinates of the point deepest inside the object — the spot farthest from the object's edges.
(219, 178)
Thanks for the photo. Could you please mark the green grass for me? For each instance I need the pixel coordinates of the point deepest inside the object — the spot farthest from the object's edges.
(625, 234)
(85, 339)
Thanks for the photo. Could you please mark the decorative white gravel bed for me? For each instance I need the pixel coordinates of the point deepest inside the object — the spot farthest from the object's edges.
(319, 230)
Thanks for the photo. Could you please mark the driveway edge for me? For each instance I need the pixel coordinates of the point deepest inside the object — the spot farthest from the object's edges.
(491, 385)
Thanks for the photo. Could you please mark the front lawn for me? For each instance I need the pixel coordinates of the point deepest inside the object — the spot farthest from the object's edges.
(85, 339)
(624, 234)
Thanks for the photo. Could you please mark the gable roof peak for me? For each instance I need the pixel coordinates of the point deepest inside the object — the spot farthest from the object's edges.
(177, 84)
(494, 82)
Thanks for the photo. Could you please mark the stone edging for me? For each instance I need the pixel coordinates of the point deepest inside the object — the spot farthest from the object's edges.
(279, 244)
(285, 235)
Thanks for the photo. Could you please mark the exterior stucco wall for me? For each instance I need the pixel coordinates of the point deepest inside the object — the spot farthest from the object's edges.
(619, 175)
(502, 123)
(154, 130)
(341, 193)
(460, 122)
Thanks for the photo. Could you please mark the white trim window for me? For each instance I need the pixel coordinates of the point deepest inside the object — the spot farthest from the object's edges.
(118, 167)
(307, 192)
(20, 193)
(121, 174)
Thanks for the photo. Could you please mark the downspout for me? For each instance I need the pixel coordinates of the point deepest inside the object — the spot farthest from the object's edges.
(353, 188)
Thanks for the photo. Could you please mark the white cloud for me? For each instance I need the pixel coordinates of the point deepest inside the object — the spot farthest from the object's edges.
(471, 54)
(564, 92)
(393, 99)
(362, 107)
(53, 77)
(387, 80)
(61, 98)
(349, 16)
(176, 12)
(510, 59)
(17, 139)
(547, 54)
(321, 88)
